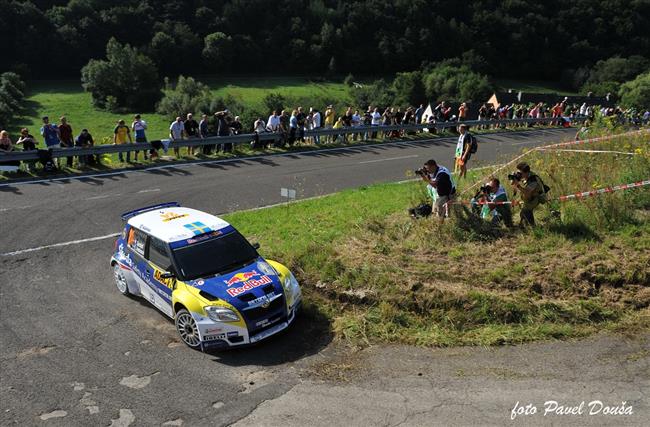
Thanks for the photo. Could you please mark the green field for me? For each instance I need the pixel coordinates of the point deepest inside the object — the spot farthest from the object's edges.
(532, 86)
(379, 276)
(58, 98)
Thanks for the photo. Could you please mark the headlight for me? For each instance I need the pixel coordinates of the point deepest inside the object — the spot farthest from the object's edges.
(221, 314)
(292, 288)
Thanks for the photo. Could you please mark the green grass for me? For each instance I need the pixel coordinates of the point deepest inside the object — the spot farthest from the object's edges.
(532, 86)
(381, 277)
(250, 91)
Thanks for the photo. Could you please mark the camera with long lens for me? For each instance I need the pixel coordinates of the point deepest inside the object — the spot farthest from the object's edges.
(421, 172)
(515, 176)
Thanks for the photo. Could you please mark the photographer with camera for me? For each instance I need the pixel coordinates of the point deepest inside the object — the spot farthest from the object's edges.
(439, 178)
(532, 190)
(492, 199)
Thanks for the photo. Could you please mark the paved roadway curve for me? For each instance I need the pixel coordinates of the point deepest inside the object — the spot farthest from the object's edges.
(75, 352)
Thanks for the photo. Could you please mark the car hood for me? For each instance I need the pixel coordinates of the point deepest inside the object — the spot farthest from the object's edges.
(249, 279)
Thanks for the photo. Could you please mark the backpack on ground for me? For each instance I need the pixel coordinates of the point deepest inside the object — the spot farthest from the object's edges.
(421, 211)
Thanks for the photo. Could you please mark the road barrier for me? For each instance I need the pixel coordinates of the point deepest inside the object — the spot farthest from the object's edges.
(264, 136)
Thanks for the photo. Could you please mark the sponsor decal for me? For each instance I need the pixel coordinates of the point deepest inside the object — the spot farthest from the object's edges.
(200, 282)
(248, 285)
(167, 281)
(197, 228)
(263, 322)
(170, 216)
(214, 337)
(203, 237)
(125, 256)
(233, 334)
(213, 330)
(241, 277)
(263, 301)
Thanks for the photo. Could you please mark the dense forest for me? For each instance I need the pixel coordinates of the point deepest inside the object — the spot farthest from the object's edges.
(532, 39)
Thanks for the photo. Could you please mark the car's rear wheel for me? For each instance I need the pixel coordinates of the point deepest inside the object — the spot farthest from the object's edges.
(187, 329)
(120, 280)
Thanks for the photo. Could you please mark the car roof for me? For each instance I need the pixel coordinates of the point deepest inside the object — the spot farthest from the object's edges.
(171, 224)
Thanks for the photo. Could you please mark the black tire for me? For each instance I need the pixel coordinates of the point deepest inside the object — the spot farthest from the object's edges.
(187, 329)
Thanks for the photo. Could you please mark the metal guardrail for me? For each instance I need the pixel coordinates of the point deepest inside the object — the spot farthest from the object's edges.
(265, 136)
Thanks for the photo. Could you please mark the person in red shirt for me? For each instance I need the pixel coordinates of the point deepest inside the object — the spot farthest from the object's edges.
(66, 137)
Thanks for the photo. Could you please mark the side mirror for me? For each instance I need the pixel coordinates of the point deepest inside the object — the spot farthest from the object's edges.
(256, 246)
(167, 275)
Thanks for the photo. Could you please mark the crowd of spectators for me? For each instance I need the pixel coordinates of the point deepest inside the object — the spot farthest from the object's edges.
(290, 127)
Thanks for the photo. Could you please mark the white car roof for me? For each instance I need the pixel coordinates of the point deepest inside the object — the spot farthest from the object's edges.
(176, 223)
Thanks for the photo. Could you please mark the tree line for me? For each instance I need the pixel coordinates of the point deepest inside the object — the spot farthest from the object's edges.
(538, 40)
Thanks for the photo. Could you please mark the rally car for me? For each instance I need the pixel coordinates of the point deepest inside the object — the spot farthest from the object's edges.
(200, 271)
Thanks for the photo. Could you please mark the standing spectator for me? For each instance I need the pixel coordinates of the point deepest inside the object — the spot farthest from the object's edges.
(347, 122)
(50, 133)
(139, 127)
(120, 134)
(293, 127)
(273, 124)
(330, 117)
(309, 125)
(191, 130)
(375, 121)
(367, 121)
(301, 124)
(284, 129)
(356, 122)
(176, 133)
(223, 129)
(463, 147)
(340, 124)
(29, 144)
(204, 133)
(418, 114)
(84, 140)
(316, 120)
(5, 142)
(258, 129)
(67, 139)
(462, 112)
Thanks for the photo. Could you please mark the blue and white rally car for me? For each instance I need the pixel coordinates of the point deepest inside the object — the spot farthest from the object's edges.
(200, 271)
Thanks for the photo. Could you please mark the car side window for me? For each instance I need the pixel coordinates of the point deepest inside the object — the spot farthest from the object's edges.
(158, 254)
(137, 241)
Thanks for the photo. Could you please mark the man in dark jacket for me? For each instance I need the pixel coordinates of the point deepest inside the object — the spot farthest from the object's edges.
(439, 178)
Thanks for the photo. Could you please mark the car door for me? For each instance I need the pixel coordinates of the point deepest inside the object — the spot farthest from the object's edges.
(136, 247)
(159, 262)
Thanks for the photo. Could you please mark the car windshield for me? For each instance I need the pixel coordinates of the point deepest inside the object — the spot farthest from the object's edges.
(219, 255)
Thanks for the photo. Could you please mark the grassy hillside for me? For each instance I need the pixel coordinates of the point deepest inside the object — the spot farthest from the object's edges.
(382, 277)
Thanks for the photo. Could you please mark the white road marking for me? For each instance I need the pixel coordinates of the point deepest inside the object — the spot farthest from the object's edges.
(58, 245)
(103, 196)
(17, 207)
(388, 159)
(152, 190)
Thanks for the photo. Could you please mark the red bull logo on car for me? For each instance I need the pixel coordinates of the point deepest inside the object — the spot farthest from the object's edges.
(241, 277)
(248, 285)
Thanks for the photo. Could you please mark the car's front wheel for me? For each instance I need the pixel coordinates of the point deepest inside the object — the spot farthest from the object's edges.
(120, 280)
(187, 329)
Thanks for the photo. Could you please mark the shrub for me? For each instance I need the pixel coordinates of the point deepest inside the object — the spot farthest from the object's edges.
(636, 93)
(127, 75)
(11, 96)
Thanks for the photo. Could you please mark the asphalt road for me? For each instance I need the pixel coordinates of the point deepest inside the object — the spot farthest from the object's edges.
(73, 351)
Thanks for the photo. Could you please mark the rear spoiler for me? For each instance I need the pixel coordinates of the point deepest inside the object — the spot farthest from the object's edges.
(130, 214)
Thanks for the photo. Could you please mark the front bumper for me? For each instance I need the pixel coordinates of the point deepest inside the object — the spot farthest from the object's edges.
(216, 335)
